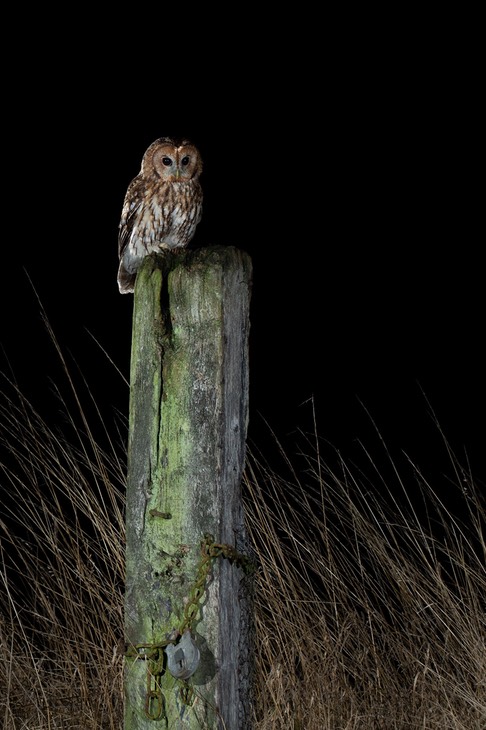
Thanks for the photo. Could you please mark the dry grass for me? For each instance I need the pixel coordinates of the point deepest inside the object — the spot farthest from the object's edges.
(370, 614)
(61, 575)
(370, 607)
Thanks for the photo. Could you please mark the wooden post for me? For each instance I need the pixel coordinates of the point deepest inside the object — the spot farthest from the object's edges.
(186, 452)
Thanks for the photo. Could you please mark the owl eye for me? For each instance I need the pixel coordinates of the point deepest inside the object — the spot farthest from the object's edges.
(185, 161)
(166, 161)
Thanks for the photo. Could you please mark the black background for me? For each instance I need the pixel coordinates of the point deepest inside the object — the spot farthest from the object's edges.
(346, 164)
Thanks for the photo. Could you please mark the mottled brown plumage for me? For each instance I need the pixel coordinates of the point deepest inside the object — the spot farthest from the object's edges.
(162, 206)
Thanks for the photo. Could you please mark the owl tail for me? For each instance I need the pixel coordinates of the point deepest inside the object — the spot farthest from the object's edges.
(126, 281)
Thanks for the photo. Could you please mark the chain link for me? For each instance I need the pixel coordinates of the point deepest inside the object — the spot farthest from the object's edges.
(154, 699)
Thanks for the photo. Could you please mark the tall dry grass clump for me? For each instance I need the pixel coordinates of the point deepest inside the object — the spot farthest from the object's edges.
(61, 571)
(370, 605)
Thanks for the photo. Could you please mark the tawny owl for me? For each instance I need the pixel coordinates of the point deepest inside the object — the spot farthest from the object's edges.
(162, 206)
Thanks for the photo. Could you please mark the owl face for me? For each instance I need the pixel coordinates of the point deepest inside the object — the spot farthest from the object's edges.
(172, 162)
(162, 206)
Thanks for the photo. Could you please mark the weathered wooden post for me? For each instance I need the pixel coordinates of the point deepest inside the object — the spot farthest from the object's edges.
(188, 602)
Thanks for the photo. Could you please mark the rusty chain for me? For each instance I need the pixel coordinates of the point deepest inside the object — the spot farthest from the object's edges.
(154, 653)
(210, 550)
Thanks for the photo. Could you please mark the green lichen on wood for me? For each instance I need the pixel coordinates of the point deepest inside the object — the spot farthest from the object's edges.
(188, 419)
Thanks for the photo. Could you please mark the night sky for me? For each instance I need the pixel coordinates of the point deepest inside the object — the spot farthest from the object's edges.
(354, 191)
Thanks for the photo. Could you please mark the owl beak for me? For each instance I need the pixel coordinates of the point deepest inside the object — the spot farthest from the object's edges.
(177, 174)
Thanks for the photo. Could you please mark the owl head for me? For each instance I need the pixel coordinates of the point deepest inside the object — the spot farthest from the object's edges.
(172, 160)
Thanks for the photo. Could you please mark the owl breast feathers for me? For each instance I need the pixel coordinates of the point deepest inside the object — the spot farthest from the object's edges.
(162, 206)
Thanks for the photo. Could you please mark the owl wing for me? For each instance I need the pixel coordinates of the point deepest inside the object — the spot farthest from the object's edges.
(199, 213)
(131, 211)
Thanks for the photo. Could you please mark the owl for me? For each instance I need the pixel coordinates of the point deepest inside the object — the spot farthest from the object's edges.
(162, 206)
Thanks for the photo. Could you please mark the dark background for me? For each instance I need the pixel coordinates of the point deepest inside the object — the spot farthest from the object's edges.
(348, 168)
